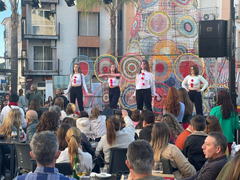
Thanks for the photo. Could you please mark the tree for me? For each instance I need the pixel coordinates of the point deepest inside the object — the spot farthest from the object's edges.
(111, 8)
(14, 45)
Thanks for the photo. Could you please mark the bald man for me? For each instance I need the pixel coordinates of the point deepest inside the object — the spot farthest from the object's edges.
(32, 121)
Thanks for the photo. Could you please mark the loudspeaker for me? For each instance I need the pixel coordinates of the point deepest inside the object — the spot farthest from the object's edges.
(212, 38)
(109, 112)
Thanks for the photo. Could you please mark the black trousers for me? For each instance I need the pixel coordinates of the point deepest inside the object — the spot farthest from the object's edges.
(196, 98)
(76, 92)
(114, 94)
(144, 95)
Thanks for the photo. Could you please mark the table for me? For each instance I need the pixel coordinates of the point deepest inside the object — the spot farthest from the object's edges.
(10, 142)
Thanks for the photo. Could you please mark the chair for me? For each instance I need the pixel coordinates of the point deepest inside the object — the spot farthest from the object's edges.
(117, 160)
(167, 167)
(63, 168)
(23, 158)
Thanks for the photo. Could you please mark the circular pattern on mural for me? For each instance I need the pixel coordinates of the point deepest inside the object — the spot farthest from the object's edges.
(147, 44)
(222, 70)
(125, 98)
(187, 26)
(183, 3)
(86, 65)
(158, 23)
(148, 3)
(130, 66)
(134, 47)
(170, 7)
(184, 62)
(136, 24)
(87, 100)
(102, 65)
(161, 65)
(209, 95)
(101, 96)
(162, 90)
(182, 47)
(136, 37)
(195, 46)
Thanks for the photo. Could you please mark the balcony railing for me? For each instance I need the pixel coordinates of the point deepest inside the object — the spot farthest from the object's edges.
(210, 13)
(41, 30)
(42, 1)
(48, 67)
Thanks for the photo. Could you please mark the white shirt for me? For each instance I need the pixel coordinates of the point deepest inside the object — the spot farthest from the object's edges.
(7, 109)
(85, 158)
(145, 80)
(113, 81)
(99, 125)
(75, 79)
(83, 124)
(194, 82)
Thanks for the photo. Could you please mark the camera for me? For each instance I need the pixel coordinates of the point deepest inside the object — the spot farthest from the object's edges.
(117, 112)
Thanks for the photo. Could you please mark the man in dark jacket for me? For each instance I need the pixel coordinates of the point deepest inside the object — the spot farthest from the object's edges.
(32, 121)
(214, 149)
(60, 94)
(148, 121)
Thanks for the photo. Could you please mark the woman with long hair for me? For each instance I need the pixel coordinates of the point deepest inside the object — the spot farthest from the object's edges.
(184, 98)
(35, 105)
(71, 111)
(60, 102)
(73, 139)
(21, 102)
(173, 105)
(61, 134)
(227, 115)
(113, 81)
(116, 137)
(193, 82)
(47, 122)
(50, 100)
(145, 87)
(213, 125)
(175, 128)
(6, 96)
(98, 123)
(4, 103)
(11, 123)
(160, 139)
(77, 81)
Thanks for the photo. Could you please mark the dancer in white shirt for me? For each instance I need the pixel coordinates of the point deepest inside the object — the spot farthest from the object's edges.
(77, 80)
(114, 90)
(145, 87)
(193, 82)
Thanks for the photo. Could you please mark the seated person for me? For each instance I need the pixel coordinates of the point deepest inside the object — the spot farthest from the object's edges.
(73, 138)
(140, 161)
(83, 123)
(45, 151)
(193, 143)
(214, 149)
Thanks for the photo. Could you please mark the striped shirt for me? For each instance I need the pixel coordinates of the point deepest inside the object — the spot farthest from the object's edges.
(44, 173)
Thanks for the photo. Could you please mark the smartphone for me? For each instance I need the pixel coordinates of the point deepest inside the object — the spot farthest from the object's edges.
(117, 112)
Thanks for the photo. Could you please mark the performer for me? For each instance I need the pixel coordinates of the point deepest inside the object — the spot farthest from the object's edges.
(114, 90)
(77, 80)
(193, 82)
(145, 87)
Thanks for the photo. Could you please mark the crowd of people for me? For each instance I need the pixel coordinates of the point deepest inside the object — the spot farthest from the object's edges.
(197, 147)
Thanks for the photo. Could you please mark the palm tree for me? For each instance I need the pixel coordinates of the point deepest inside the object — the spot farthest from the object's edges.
(88, 5)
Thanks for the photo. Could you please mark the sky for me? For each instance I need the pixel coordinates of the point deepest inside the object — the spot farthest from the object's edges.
(4, 14)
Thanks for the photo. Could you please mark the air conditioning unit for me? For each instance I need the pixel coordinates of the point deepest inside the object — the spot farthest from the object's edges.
(210, 16)
(53, 44)
(53, 8)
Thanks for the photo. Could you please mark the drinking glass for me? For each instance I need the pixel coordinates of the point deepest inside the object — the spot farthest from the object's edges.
(14, 134)
(79, 170)
(158, 167)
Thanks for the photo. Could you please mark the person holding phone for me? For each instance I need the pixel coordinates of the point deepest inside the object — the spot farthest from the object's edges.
(145, 87)
(113, 81)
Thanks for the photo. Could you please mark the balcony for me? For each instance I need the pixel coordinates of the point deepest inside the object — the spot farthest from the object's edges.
(49, 67)
(210, 13)
(5, 34)
(42, 1)
(41, 30)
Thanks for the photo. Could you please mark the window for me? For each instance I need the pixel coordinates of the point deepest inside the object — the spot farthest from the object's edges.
(88, 24)
(42, 58)
(43, 22)
(90, 52)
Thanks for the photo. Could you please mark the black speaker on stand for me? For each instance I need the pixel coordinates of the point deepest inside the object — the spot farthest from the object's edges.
(212, 38)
